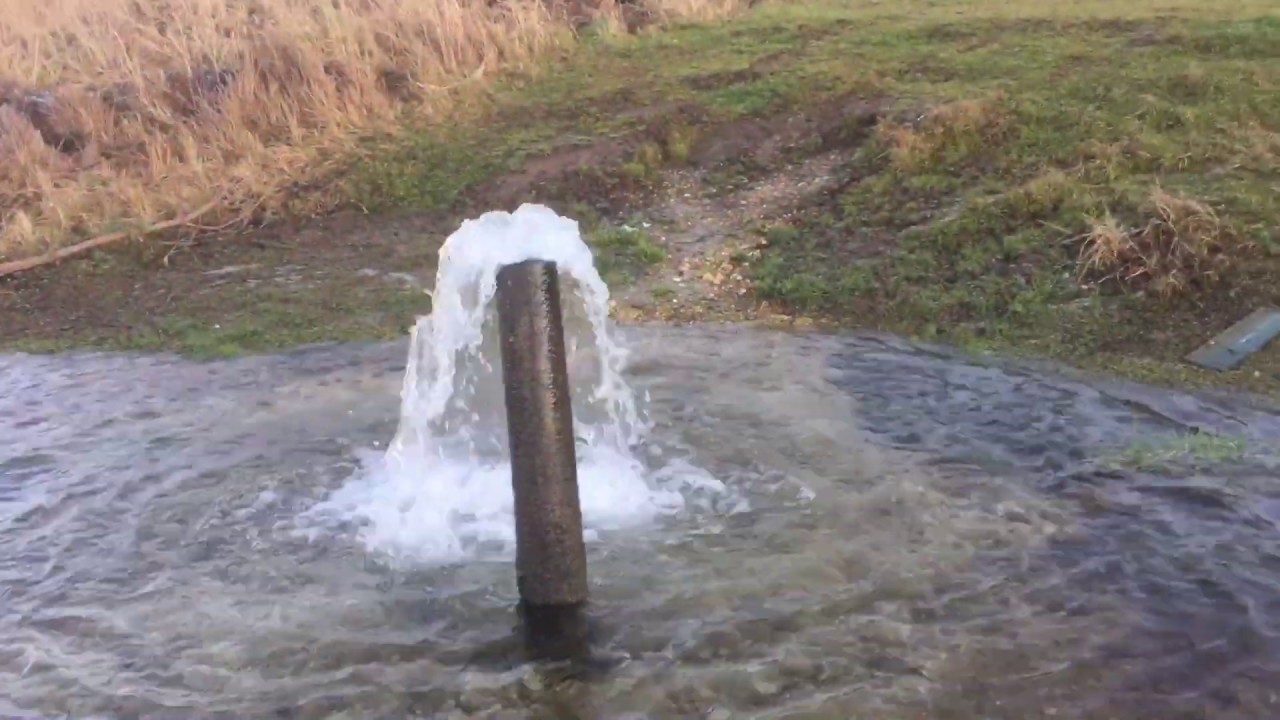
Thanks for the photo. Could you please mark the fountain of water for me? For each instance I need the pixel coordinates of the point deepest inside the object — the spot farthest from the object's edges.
(441, 493)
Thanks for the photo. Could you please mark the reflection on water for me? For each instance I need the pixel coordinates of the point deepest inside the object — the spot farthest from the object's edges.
(923, 537)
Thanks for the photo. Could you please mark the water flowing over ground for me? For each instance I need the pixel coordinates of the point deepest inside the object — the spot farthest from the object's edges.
(442, 491)
(925, 536)
(779, 526)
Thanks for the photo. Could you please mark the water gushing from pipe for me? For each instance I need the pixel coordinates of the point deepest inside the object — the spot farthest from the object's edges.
(442, 490)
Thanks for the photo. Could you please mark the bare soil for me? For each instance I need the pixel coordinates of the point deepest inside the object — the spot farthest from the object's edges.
(711, 238)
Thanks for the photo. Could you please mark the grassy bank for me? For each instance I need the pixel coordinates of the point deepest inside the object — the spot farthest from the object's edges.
(117, 116)
(1101, 187)
(1089, 181)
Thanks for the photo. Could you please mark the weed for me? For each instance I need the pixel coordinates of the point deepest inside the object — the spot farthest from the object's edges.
(679, 144)
(623, 253)
(1179, 248)
(947, 134)
(1196, 449)
(663, 292)
(1045, 195)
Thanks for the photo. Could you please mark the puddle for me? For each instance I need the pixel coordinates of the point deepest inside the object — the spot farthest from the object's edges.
(921, 536)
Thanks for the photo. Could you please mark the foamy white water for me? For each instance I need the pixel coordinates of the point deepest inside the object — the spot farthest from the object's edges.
(442, 490)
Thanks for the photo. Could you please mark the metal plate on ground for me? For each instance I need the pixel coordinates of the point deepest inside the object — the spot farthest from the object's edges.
(1228, 350)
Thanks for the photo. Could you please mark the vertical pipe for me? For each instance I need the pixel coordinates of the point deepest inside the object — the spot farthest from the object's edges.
(551, 563)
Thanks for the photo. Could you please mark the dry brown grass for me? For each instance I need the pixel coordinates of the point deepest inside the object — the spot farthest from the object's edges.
(1179, 248)
(120, 114)
(957, 128)
(1253, 146)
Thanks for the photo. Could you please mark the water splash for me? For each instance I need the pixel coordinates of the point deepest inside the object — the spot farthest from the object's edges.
(442, 491)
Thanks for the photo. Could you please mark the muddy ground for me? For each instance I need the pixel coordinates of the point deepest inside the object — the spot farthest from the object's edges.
(359, 275)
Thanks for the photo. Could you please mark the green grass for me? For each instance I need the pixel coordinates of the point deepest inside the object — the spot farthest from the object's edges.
(1010, 132)
(663, 293)
(623, 254)
(284, 320)
(968, 225)
(182, 310)
(432, 170)
(268, 324)
(1195, 451)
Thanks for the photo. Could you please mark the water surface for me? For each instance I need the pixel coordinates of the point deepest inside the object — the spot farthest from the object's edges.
(919, 536)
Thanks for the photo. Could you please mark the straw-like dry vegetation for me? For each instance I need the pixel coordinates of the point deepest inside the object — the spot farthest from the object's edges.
(120, 115)
(1181, 247)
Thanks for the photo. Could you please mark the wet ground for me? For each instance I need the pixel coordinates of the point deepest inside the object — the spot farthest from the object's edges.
(926, 537)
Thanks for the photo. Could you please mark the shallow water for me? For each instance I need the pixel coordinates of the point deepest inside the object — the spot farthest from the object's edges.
(925, 537)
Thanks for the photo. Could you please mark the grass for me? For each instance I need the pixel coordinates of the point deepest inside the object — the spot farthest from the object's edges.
(1181, 249)
(226, 322)
(1194, 450)
(1091, 181)
(623, 253)
(119, 114)
(1097, 184)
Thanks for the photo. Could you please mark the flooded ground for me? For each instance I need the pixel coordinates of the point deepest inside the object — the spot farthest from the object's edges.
(922, 537)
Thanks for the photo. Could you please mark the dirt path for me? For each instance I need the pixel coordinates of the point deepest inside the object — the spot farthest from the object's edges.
(711, 238)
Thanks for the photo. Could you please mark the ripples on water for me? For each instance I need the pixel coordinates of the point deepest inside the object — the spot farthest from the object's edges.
(925, 537)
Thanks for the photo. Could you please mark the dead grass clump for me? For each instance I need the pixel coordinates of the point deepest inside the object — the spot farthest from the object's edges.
(1045, 195)
(1254, 146)
(1180, 248)
(119, 113)
(954, 130)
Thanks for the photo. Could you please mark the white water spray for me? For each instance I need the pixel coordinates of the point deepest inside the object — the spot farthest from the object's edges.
(442, 491)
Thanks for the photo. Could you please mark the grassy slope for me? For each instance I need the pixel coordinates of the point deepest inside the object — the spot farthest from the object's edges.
(966, 228)
(1039, 119)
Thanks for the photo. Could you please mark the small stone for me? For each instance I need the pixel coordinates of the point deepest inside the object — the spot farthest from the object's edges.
(799, 667)
(765, 686)
(232, 269)
(532, 681)
(1014, 514)
(404, 278)
(880, 631)
(202, 679)
(891, 665)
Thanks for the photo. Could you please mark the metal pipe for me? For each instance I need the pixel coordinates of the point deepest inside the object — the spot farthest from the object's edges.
(551, 559)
